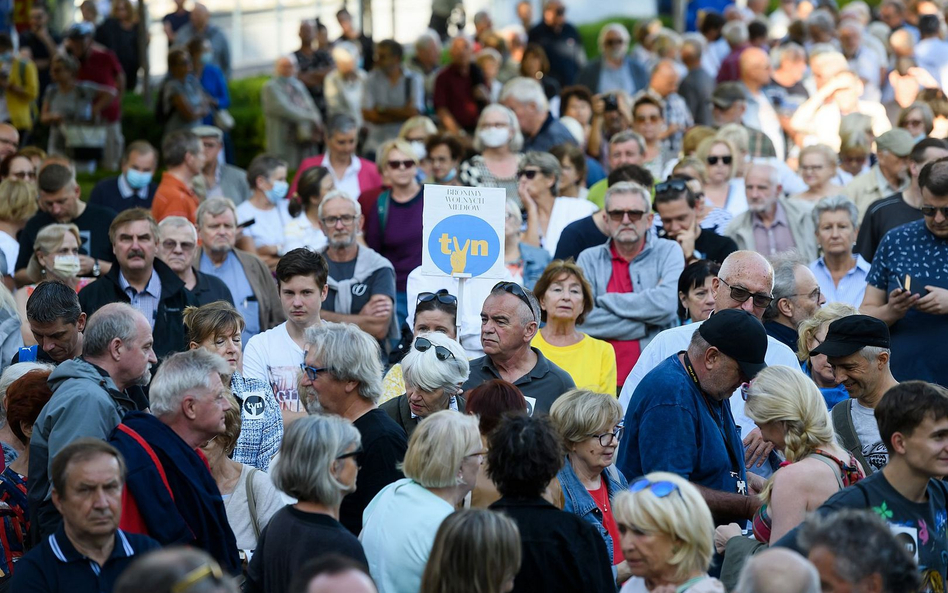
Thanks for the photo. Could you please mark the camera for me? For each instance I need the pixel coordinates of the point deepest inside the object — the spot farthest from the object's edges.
(611, 102)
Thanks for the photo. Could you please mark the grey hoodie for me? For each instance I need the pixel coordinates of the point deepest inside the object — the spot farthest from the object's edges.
(85, 403)
(653, 303)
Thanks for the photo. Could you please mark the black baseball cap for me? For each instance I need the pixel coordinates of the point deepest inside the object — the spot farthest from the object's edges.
(850, 334)
(740, 335)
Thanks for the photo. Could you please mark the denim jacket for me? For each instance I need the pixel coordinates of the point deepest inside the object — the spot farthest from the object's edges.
(535, 261)
(578, 501)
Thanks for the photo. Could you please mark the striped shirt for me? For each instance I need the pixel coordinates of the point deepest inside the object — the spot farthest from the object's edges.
(146, 300)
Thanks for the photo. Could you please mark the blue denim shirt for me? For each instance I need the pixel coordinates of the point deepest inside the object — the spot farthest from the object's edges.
(535, 260)
(578, 501)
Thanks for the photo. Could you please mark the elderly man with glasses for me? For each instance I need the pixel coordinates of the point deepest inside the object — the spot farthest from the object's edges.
(634, 277)
(746, 281)
(797, 297)
(510, 318)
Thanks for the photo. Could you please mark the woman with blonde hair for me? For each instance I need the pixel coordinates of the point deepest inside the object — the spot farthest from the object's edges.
(441, 466)
(790, 412)
(591, 426)
(17, 205)
(667, 535)
(724, 188)
(812, 332)
(474, 550)
(818, 170)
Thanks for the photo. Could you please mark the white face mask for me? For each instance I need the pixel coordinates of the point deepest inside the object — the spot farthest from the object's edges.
(67, 265)
(494, 137)
(419, 148)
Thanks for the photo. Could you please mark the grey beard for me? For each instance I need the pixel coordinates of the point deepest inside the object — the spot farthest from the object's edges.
(310, 401)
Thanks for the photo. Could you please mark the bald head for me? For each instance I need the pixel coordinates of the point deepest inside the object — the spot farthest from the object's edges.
(778, 570)
(664, 78)
(755, 68)
(285, 67)
(902, 43)
(747, 270)
(9, 140)
(351, 581)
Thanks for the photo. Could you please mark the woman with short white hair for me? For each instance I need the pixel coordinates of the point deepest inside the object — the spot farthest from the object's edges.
(667, 535)
(840, 272)
(434, 371)
(317, 466)
(498, 139)
(444, 455)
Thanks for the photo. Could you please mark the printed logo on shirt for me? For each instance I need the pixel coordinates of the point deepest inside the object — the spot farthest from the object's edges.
(283, 380)
(86, 243)
(359, 289)
(254, 406)
(907, 537)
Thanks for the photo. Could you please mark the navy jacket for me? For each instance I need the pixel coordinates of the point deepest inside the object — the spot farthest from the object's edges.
(106, 193)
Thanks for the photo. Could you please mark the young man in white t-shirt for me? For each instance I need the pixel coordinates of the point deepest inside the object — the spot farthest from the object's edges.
(275, 355)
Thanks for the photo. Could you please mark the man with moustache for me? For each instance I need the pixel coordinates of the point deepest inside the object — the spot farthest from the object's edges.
(91, 394)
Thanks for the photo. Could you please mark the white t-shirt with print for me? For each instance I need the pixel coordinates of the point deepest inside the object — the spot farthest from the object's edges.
(274, 357)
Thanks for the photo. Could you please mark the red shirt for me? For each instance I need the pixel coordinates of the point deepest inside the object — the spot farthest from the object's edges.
(601, 498)
(102, 67)
(627, 351)
(455, 91)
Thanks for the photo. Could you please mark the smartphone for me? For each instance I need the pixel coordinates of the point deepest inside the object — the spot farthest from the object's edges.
(913, 286)
(247, 223)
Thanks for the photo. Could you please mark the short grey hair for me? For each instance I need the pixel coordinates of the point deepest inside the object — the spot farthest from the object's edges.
(311, 447)
(613, 28)
(516, 136)
(821, 19)
(525, 90)
(833, 204)
(735, 32)
(785, 279)
(338, 194)
(533, 307)
(214, 207)
(871, 353)
(349, 354)
(773, 174)
(426, 371)
(181, 372)
(789, 50)
(798, 574)
(695, 41)
(176, 222)
(863, 545)
(115, 320)
(429, 37)
(628, 187)
(547, 164)
(628, 136)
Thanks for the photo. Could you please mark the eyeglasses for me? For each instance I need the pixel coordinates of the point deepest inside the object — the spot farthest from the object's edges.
(914, 122)
(741, 294)
(355, 453)
(488, 126)
(516, 290)
(929, 211)
(207, 570)
(442, 295)
(406, 164)
(648, 119)
(660, 489)
(424, 345)
(813, 295)
(346, 219)
(812, 168)
(613, 42)
(671, 184)
(605, 439)
(713, 160)
(480, 454)
(619, 215)
(745, 390)
(24, 175)
(171, 245)
(528, 173)
(312, 372)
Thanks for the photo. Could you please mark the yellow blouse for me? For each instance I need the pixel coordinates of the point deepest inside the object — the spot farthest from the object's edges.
(591, 362)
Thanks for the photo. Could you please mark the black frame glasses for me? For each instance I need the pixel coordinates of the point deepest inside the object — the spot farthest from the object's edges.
(740, 294)
(443, 296)
(355, 453)
(929, 211)
(311, 372)
(516, 290)
(615, 434)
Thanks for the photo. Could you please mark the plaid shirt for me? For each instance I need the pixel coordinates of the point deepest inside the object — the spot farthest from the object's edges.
(759, 145)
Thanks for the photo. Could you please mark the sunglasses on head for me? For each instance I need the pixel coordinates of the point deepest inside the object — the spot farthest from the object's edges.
(424, 345)
(406, 164)
(442, 295)
(713, 160)
(516, 290)
(660, 489)
(676, 185)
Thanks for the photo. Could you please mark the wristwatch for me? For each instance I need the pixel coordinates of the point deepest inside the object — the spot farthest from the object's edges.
(96, 270)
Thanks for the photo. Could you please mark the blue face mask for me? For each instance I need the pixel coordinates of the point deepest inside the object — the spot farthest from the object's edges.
(207, 57)
(138, 179)
(449, 177)
(278, 192)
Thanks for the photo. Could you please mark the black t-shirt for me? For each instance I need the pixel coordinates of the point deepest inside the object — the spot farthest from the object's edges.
(382, 281)
(93, 226)
(921, 526)
(713, 246)
(39, 51)
(383, 447)
(292, 538)
(881, 217)
(578, 236)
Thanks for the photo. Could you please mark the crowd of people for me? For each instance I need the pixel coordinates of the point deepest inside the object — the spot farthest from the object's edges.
(711, 363)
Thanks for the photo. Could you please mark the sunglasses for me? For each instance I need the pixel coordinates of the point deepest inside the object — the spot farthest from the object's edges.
(424, 345)
(442, 295)
(660, 489)
(406, 164)
(619, 215)
(713, 160)
(613, 42)
(355, 453)
(208, 570)
(930, 211)
(516, 290)
(676, 185)
(311, 372)
(171, 245)
(529, 173)
(740, 295)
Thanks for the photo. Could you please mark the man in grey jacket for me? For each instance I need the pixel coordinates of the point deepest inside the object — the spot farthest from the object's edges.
(90, 395)
(634, 277)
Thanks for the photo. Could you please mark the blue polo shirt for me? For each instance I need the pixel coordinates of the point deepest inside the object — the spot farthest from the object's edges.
(56, 565)
(916, 338)
(669, 427)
